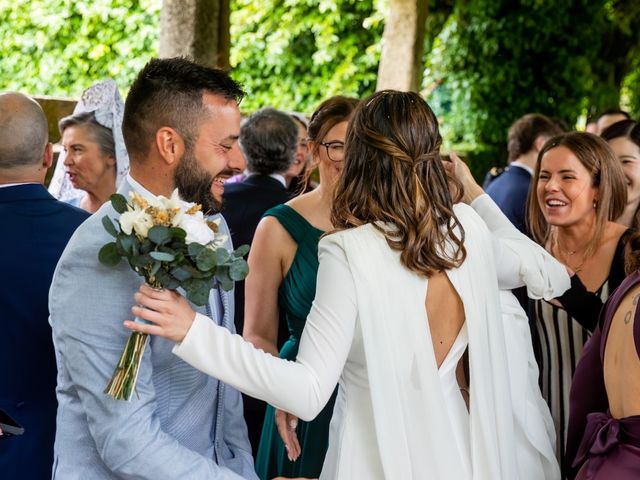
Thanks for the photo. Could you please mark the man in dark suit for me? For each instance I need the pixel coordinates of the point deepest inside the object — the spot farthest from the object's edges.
(510, 189)
(268, 139)
(35, 231)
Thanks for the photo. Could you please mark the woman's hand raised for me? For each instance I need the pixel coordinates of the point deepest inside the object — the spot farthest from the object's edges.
(457, 168)
(169, 312)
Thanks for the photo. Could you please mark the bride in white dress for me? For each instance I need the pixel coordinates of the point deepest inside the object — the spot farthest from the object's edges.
(406, 285)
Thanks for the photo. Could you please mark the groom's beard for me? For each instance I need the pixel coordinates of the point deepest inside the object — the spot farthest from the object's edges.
(194, 183)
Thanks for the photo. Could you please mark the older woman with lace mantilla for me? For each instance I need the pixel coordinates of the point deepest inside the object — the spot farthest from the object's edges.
(94, 160)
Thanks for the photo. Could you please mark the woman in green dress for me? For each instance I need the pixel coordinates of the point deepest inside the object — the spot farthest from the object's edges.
(283, 263)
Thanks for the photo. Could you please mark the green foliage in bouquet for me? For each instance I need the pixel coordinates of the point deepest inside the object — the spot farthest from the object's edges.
(165, 260)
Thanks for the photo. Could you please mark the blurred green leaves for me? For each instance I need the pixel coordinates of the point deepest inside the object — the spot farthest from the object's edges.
(293, 54)
(487, 62)
(61, 47)
(496, 60)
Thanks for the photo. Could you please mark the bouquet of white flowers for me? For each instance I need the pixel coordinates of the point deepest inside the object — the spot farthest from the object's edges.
(170, 244)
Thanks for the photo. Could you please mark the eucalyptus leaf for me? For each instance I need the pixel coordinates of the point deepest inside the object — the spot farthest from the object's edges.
(181, 274)
(135, 245)
(197, 291)
(223, 279)
(141, 260)
(194, 249)
(119, 203)
(126, 243)
(179, 258)
(120, 249)
(225, 283)
(166, 249)
(238, 270)
(166, 280)
(108, 255)
(178, 233)
(222, 256)
(241, 251)
(159, 234)
(146, 246)
(108, 225)
(162, 256)
(206, 259)
(155, 268)
(195, 273)
(178, 246)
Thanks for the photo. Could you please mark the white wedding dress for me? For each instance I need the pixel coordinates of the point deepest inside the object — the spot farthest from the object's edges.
(546, 278)
(397, 416)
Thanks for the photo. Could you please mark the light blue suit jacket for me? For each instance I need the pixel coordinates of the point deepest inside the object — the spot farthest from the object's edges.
(182, 424)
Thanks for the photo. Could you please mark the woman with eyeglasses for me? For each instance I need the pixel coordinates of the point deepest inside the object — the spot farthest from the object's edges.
(282, 284)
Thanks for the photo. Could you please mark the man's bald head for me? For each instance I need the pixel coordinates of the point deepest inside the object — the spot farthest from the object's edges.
(23, 132)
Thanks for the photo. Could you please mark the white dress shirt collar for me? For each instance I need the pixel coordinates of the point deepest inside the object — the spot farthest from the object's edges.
(16, 184)
(135, 185)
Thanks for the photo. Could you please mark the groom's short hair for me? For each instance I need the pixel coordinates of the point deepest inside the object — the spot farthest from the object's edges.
(168, 93)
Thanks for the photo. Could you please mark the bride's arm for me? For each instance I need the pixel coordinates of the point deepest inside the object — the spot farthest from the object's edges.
(519, 260)
(302, 387)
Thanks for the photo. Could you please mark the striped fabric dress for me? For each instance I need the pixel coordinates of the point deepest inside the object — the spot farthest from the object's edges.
(561, 341)
(558, 338)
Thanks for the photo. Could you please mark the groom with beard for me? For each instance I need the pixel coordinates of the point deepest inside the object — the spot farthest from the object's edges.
(181, 126)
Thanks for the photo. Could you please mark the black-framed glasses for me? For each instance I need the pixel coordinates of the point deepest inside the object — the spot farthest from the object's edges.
(335, 150)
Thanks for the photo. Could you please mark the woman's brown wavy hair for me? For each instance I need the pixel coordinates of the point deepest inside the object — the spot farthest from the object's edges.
(394, 179)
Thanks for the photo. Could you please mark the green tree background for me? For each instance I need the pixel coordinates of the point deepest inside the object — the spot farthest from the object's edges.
(487, 62)
(53, 47)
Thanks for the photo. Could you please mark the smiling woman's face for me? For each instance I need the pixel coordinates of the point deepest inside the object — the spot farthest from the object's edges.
(333, 140)
(565, 190)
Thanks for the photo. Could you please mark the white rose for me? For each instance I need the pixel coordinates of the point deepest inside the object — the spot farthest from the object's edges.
(197, 229)
(172, 202)
(136, 220)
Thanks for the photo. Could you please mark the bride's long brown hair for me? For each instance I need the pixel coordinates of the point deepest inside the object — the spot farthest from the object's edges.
(393, 175)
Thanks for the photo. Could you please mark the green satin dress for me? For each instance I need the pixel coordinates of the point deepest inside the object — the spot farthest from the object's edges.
(295, 297)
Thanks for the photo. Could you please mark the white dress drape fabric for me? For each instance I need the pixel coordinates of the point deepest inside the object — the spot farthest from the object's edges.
(398, 416)
(546, 278)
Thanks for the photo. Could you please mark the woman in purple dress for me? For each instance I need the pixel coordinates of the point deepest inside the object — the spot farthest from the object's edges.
(603, 440)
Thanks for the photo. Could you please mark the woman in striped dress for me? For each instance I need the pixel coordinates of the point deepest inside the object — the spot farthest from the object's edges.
(578, 192)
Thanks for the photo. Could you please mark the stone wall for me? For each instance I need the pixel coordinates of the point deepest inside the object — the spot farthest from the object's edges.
(55, 108)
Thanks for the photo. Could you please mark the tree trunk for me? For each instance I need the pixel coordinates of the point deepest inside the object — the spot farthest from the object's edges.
(198, 29)
(402, 46)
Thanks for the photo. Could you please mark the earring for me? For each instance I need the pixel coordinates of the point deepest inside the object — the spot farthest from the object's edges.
(595, 204)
